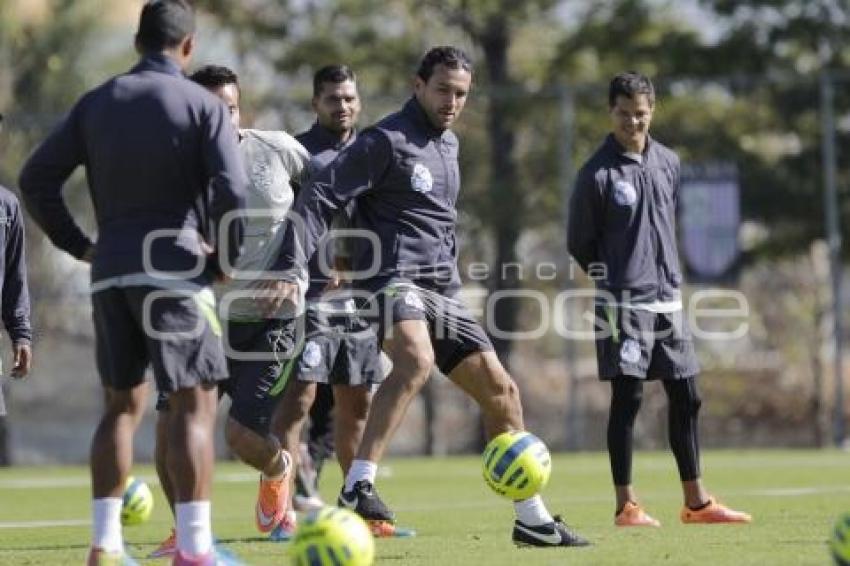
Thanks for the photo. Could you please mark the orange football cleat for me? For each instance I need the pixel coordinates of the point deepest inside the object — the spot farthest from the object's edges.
(381, 529)
(273, 499)
(633, 515)
(714, 512)
(166, 548)
(386, 529)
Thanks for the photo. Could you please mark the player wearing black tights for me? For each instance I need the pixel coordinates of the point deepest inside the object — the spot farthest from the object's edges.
(622, 232)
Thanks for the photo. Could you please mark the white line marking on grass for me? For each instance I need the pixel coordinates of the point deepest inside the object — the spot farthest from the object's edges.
(41, 483)
(44, 524)
(56, 482)
(237, 477)
(799, 491)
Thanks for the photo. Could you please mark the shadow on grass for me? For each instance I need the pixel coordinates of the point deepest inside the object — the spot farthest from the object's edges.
(45, 547)
(130, 545)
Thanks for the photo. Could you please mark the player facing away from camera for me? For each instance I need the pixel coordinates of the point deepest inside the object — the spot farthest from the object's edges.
(336, 102)
(340, 352)
(622, 228)
(155, 147)
(258, 348)
(404, 177)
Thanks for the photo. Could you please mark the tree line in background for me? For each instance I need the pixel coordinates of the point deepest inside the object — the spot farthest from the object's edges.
(738, 85)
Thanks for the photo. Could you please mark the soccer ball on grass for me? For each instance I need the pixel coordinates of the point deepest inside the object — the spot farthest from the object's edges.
(517, 465)
(333, 536)
(137, 503)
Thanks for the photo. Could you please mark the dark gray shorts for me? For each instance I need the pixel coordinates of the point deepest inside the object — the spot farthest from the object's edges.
(644, 344)
(177, 334)
(340, 348)
(257, 355)
(256, 381)
(455, 334)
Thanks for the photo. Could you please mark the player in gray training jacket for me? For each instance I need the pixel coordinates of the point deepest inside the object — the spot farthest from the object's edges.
(404, 177)
(340, 362)
(336, 102)
(15, 300)
(13, 282)
(622, 231)
(163, 170)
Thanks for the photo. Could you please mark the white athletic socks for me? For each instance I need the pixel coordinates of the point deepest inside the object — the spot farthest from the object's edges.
(194, 531)
(106, 528)
(532, 511)
(360, 470)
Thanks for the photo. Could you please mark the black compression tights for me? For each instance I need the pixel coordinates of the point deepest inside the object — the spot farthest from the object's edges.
(684, 403)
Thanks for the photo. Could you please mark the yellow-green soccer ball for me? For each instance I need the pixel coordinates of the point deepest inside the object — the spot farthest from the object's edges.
(137, 504)
(333, 536)
(517, 465)
(839, 543)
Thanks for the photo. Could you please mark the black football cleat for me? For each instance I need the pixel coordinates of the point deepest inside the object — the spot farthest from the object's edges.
(556, 533)
(364, 500)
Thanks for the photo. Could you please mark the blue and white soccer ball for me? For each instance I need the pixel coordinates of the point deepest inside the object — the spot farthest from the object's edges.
(517, 465)
(137, 504)
(839, 543)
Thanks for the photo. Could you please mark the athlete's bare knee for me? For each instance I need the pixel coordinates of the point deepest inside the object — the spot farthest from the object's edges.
(305, 399)
(352, 402)
(300, 397)
(503, 394)
(414, 363)
(293, 409)
(359, 410)
(126, 402)
(197, 402)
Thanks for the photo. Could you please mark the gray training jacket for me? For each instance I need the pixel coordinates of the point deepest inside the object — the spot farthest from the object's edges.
(324, 146)
(622, 223)
(404, 174)
(160, 153)
(15, 302)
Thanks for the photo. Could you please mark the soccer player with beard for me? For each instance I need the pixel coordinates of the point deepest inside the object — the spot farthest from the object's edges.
(403, 176)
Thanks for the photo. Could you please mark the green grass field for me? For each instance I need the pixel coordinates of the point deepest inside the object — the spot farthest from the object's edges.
(794, 496)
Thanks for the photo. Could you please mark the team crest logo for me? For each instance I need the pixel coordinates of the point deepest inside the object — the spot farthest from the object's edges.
(630, 352)
(624, 193)
(421, 180)
(261, 175)
(411, 299)
(312, 354)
